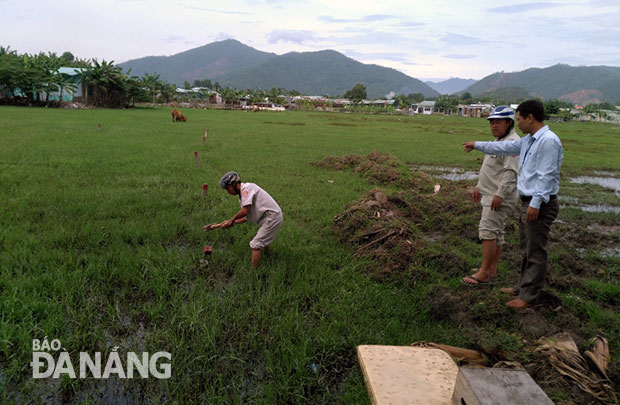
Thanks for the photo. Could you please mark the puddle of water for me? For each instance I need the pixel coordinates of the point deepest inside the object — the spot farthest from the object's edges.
(574, 203)
(607, 252)
(611, 252)
(606, 173)
(458, 175)
(568, 199)
(448, 173)
(600, 208)
(606, 229)
(607, 182)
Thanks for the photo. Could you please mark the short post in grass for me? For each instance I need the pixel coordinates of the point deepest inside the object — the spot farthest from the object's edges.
(206, 134)
(204, 139)
(99, 127)
(196, 158)
(205, 187)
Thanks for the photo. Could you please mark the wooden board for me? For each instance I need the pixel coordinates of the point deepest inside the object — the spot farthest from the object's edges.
(487, 386)
(408, 375)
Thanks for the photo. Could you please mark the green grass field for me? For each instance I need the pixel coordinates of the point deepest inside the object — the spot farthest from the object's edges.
(101, 240)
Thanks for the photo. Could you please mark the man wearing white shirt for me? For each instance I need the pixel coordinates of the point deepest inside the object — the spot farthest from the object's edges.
(258, 207)
(540, 159)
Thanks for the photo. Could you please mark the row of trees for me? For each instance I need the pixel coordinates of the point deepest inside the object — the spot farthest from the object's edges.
(451, 102)
(33, 75)
(597, 108)
(30, 79)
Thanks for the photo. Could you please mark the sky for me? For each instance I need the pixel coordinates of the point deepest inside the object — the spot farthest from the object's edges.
(427, 40)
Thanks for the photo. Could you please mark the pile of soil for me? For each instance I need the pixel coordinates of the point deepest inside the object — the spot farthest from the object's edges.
(416, 235)
(376, 167)
(378, 228)
(403, 232)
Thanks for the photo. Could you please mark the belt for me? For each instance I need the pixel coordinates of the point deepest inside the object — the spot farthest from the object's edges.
(528, 198)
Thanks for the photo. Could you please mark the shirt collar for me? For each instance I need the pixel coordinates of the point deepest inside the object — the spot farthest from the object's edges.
(541, 131)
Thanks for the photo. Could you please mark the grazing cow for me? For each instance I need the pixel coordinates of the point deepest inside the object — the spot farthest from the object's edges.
(177, 116)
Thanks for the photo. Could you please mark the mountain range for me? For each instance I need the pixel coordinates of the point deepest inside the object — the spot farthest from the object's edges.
(451, 86)
(576, 84)
(231, 63)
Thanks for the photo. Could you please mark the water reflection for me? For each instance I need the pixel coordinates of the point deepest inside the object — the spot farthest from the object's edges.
(612, 182)
(568, 199)
(608, 182)
(448, 173)
(607, 252)
(456, 175)
(611, 252)
(600, 208)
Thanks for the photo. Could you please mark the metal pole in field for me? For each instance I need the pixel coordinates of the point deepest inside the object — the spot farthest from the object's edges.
(196, 157)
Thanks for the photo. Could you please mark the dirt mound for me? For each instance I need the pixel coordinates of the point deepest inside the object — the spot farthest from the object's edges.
(378, 228)
(406, 231)
(376, 167)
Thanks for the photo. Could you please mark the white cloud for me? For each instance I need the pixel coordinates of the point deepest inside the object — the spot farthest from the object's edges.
(294, 36)
(524, 7)
(223, 36)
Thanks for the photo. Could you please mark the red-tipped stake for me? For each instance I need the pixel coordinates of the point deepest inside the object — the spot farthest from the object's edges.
(206, 132)
(204, 139)
(196, 157)
(205, 186)
(99, 127)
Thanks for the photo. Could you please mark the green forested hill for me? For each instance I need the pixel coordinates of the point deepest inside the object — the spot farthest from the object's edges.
(234, 64)
(577, 84)
(325, 72)
(210, 61)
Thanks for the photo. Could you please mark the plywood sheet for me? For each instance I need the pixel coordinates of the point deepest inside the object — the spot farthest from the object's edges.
(408, 375)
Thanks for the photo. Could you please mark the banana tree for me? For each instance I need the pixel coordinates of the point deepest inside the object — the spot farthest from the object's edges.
(152, 83)
(108, 84)
(64, 83)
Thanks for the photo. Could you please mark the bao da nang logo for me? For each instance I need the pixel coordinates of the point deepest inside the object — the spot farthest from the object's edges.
(45, 365)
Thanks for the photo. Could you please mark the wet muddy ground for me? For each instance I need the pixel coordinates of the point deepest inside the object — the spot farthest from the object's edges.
(421, 237)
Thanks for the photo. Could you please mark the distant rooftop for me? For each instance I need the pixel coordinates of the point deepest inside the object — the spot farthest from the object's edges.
(71, 71)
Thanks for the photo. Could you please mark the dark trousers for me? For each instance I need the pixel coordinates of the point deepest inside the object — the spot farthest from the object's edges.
(534, 236)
